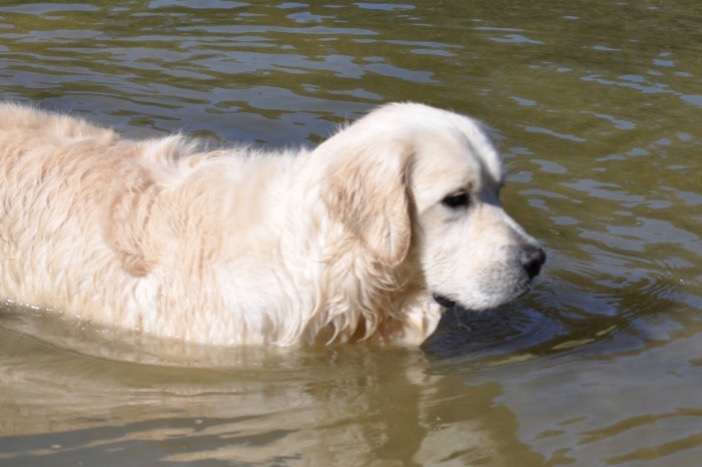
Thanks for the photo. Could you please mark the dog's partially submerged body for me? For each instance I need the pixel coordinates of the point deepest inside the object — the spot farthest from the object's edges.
(366, 237)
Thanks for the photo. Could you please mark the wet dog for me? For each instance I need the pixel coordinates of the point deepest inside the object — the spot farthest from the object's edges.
(370, 236)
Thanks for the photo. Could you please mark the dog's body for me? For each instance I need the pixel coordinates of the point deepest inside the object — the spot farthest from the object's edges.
(357, 239)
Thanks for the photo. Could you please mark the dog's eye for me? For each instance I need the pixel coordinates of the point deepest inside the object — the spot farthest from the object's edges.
(456, 200)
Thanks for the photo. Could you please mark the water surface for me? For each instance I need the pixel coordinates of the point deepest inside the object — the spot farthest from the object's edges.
(598, 108)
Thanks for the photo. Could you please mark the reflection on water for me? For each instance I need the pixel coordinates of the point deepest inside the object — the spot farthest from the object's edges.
(352, 405)
(597, 106)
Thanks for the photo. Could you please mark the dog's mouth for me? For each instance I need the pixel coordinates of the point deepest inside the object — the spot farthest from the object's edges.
(519, 291)
(443, 301)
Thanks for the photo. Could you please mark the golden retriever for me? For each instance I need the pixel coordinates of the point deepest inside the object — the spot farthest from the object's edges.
(370, 236)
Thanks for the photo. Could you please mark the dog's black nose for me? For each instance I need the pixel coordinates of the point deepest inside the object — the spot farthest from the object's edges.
(533, 258)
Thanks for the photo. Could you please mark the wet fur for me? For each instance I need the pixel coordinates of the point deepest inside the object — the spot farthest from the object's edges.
(237, 246)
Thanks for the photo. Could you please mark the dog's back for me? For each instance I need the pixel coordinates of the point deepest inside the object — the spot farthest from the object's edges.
(44, 205)
(126, 232)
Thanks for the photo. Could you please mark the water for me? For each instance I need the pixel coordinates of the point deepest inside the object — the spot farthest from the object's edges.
(598, 105)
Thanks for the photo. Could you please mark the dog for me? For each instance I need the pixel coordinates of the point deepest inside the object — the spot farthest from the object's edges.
(370, 236)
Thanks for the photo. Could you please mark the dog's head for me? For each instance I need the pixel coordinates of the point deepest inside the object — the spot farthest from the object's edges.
(413, 182)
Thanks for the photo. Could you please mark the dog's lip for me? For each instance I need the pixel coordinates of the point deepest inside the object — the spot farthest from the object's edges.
(443, 301)
(446, 302)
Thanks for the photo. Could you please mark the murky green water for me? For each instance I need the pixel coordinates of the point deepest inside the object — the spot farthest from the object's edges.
(599, 105)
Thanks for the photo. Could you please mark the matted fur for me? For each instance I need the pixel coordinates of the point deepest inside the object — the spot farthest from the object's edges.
(346, 242)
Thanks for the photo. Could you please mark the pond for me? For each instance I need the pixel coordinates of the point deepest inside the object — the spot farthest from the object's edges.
(598, 107)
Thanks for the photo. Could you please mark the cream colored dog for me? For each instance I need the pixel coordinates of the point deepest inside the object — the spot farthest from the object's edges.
(367, 237)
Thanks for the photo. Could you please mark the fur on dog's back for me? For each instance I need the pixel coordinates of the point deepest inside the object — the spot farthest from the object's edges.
(132, 233)
(91, 221)
(231, 246)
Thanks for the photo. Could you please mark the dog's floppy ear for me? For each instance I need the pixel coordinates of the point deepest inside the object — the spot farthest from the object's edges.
(366, 189)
